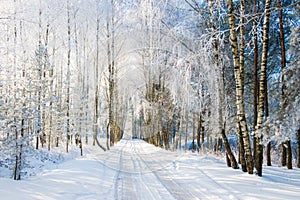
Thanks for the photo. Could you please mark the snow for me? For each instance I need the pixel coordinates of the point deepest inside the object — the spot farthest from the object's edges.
(133, 169)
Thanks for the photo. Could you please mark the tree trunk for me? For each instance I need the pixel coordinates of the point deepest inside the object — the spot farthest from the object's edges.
(194, 132)
(112, 121)
(96, 70)
(220, 145)
(228, 162)
(67, 143)
(37, 140)
(283, 154)
(107, 137)
(40, 80)
(255, 84)
(282, 43)
(95, 117)
(262, 88)
(51, 84)
(215, 145)
(86, 72)
(210, 146)
(202, 138)
(80, 146)
(17, 161)
(44, 139)
(241, 151)
(269, 163)
(21, 148)
(289, 155)
(242, 42)
(241, 118)
(180, 130)
(259, 157)
(267, 115)
(199, 133)
(16, 167)
(229, 155)
(68, 77)
(186, 130)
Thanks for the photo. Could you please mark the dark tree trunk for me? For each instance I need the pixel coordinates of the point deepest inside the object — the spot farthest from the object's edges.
(16, 168)
(194, 133)
(259, 158)
(215, 145)
(231, 161)
(254, 148)
(166, 135)
(49, 141)
(220, 145)
(17, 163)
(269, 163)
(242, 151)
(199, 133)
(202, 137)
(283, 154)
(20, 163)
(281, 36)
(107, 137)
(180, 130)
(21, 148)
(267, 115)
(289, 155)
(67, 144)
(37, 142)
(228, 161)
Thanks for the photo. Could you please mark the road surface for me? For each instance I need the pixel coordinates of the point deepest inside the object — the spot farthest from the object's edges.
(133, 169)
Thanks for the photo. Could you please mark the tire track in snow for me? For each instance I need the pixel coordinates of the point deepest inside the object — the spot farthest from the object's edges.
(147, 184)
(141, 185)
(171, 186)
(115, 160)
(166, 174)
(140, 174)
(117, 178)
(123, 180)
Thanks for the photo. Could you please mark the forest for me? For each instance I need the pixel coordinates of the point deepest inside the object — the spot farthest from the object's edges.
(205, 76)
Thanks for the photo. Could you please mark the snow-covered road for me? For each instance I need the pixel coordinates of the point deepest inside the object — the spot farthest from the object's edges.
(144, 173)
(134, 169)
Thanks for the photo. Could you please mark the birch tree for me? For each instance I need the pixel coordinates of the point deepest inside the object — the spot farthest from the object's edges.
(262, 94)
(241, 118)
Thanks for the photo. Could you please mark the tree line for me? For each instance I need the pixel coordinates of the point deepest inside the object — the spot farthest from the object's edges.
(218, 76)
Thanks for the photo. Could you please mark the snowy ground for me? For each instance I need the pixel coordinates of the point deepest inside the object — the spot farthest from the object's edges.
(134, 169)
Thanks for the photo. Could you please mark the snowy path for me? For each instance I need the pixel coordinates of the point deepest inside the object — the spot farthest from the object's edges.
(134, 169)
